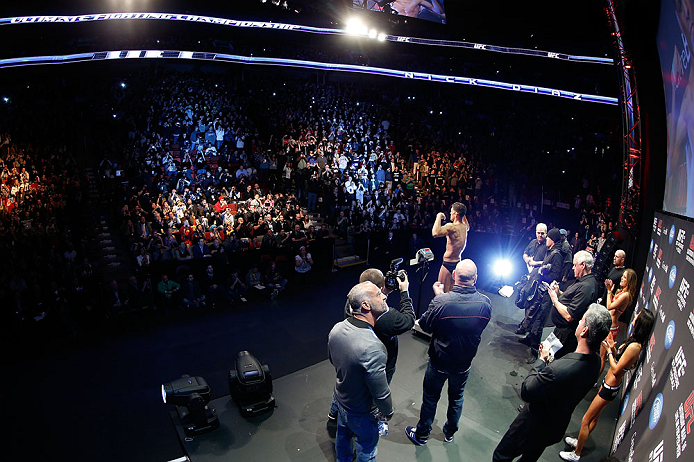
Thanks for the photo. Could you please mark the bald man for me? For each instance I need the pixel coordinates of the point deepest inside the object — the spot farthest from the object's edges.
(455, 320)
(618, 269)
(361, 388)
(615, 274)
(535, 251)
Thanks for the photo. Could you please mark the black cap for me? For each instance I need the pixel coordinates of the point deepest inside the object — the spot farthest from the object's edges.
(554, 234)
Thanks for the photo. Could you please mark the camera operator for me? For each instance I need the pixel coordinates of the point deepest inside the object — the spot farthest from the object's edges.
(391, 323)
(539, 308)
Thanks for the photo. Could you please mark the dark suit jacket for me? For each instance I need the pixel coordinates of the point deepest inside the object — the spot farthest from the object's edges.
(552, 392)
(191, 292)
(140, 232)
(197, 253)
(206, 281)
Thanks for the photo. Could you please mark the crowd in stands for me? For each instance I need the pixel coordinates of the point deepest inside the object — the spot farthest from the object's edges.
(349, 156)
(48, 277)
(232, 189)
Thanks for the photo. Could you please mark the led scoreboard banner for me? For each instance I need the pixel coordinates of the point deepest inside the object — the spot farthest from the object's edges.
(294, 28)
(196, 55)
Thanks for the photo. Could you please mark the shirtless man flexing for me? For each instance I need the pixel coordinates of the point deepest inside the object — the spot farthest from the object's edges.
(456, 238)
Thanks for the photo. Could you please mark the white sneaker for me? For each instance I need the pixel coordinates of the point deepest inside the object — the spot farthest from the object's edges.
(573, 442)
(569, 455)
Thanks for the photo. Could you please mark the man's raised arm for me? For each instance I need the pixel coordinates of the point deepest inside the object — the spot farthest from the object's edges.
(438, 230)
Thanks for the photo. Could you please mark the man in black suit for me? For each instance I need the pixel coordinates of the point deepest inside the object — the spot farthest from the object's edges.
(192, 295)
(212, 286)
(552, 391)
(201, 249)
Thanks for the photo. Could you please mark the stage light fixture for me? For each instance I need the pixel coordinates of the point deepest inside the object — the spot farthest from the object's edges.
(381, 37)
(190, 396)
(250, 385)
(6, 99)
(276, 2)
(373, 33)
(354, 26)
(122, 84)
(502, 268)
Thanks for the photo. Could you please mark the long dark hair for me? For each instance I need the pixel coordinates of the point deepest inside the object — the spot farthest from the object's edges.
(641, 332)
(631, 285)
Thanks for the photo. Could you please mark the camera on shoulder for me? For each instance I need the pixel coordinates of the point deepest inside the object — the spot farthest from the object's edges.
(393, 276)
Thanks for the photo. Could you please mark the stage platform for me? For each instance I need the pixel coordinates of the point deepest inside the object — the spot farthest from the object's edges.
(108, 388)
(297, 429)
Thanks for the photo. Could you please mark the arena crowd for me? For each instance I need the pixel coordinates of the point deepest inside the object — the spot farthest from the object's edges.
(247, 184)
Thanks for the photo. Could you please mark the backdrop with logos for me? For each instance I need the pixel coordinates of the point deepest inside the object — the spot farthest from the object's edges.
(657, 407)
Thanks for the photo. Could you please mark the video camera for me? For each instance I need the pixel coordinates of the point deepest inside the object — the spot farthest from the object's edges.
(393, 274)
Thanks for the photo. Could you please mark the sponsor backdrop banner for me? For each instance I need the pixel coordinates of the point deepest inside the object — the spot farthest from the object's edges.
(657, 408)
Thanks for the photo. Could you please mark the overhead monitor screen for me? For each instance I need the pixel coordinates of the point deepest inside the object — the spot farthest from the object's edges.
(675, 44)
(430, 10)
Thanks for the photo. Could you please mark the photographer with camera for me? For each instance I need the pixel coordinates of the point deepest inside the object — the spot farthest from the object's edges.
(455, 320)
(391, 323)
(539, 306)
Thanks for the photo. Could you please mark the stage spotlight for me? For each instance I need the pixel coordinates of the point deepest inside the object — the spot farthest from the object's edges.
(6, 99)
(276, 2)
(190, 396)
(502, 268)
(351, 25)
(373, 33)
(354, 26)
(381, 37)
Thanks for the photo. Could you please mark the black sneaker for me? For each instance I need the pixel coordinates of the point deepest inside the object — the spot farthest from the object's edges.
(532, 358)
(446, 438)
(332, 418)
(412, 435)
(525, 340)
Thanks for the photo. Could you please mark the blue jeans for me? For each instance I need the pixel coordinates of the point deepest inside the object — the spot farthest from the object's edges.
(363, 428)
(434, 379)
(312, 198)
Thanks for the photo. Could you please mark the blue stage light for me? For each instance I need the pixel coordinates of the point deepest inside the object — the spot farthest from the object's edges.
(502, 268)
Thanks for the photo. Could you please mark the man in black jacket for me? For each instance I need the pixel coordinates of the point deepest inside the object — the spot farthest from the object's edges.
(388, 325)
(455, 320)
(191, 293)
(552, 391)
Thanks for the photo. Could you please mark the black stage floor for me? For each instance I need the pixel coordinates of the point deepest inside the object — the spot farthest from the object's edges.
(102, 401)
